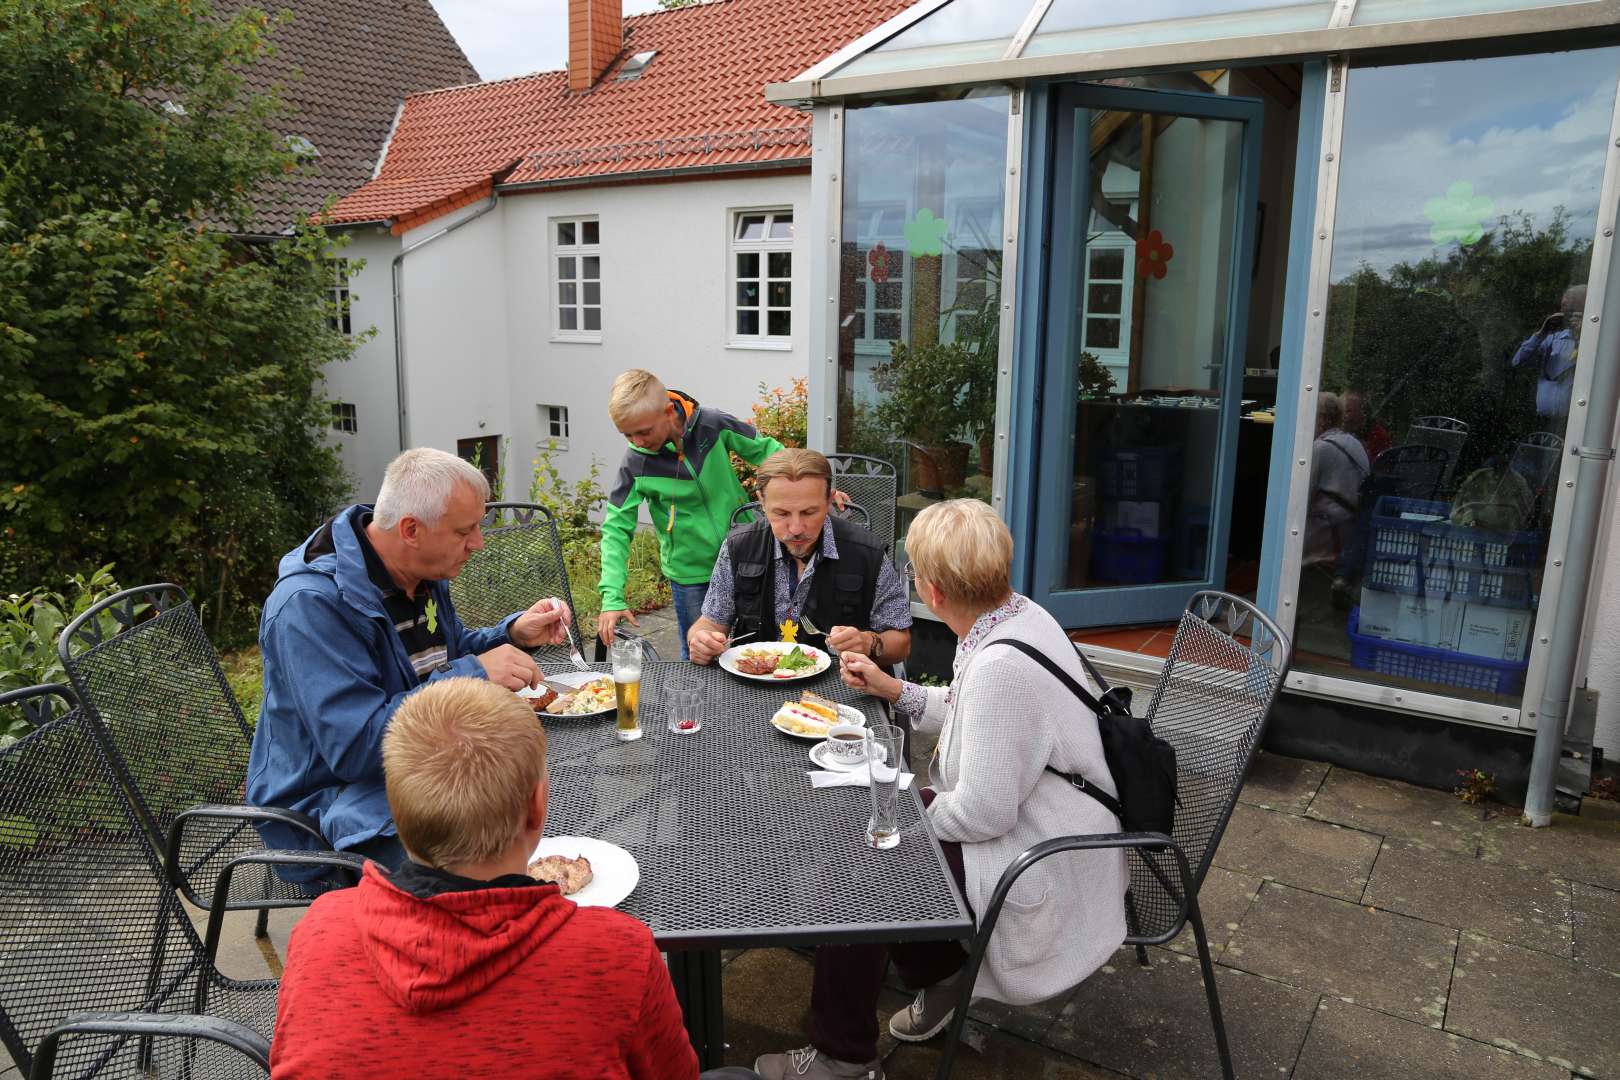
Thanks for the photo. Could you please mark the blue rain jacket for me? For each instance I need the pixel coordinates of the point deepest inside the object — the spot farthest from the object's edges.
(334, 672)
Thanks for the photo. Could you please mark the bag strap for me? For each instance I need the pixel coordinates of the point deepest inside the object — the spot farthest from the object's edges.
(1109, 802)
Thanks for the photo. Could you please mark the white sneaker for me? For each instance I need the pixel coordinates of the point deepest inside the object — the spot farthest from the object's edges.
(929, 1014)
(807, 1063)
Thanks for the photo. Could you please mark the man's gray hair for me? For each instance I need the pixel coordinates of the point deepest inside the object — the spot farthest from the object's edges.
(419, 484)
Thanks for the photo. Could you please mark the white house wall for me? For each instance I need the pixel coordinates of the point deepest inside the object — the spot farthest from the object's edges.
(1602, 668)
(366, 379)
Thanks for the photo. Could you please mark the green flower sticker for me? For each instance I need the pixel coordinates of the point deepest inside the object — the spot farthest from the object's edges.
(926, 234)
(1458, 215)
(432, 610)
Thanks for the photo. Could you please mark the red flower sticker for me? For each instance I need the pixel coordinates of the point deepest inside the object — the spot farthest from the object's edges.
(878, 260)
(1153, 255)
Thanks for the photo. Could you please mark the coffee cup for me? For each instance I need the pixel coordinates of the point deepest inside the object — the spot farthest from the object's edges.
(847, 743)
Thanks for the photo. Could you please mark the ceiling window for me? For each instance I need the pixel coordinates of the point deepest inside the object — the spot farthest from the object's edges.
(576, 262)
(762, 277)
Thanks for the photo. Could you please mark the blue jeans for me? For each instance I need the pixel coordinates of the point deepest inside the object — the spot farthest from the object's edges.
(688, 608)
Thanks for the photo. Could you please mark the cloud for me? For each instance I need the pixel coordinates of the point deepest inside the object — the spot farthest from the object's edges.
(514, 37)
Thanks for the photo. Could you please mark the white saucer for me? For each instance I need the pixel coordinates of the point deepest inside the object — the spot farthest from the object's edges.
(819, 755)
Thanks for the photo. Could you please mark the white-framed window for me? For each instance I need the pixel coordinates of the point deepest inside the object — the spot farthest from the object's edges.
(762, 277)
(338, 297)
(883, 314)
(343, 418)
(972, 260)
(554, 426)
(576, 271)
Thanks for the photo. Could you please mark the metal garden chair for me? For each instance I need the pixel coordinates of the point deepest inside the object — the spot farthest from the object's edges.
(874, 484)
(1445, 432)
(1226, 665)
(522, 561)
(854, 512)
(158, 702)
(99, 963)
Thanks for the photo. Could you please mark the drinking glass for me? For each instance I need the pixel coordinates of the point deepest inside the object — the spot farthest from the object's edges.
(683, 704)
(626, 657)
(885, 757)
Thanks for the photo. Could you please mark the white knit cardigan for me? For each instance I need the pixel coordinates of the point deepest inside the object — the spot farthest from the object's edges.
(1007, 719)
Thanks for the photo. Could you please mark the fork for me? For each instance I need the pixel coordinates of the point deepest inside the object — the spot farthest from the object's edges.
(810, 627)
(574, 653)
(733, 639)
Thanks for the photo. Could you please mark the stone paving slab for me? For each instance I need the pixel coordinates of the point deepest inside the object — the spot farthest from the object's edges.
(1282, 783)
(1154, 1022)
(1314, 855)
(1561, 1010)
(1223, 900)
(1597, 927)
(989, 1055)
(1524, 907)
(1571, 847)
(1384, 961)
(1348, 1042)
(1390, 808)
(1025, 1021)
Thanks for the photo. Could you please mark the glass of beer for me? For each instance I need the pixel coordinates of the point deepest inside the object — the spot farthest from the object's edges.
(626, 657)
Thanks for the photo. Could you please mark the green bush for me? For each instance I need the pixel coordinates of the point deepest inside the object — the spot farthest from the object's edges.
(29, 625)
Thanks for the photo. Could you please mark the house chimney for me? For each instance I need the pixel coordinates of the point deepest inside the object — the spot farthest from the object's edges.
(595, 36)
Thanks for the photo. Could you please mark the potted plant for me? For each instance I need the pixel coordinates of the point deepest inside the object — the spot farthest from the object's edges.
(928, 402)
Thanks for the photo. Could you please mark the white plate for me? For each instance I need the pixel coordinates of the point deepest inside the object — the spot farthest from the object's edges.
(846, 713)
(820, 755)
(614, 872)
(729, 658)
(574, 679)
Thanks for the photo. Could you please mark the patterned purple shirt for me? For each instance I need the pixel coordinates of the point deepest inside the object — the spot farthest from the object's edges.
(913, 698)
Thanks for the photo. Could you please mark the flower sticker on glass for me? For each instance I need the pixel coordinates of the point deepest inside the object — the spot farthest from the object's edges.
(1153, 255)
(925, 234)
(878, 262)
(1458, 215)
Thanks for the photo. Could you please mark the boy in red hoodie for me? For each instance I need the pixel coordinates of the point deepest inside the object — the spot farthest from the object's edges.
(458, 965)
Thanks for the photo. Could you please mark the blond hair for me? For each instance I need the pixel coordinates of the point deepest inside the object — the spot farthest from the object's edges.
(461, 758)
(965, 549)
(793, 464)
(635, 393)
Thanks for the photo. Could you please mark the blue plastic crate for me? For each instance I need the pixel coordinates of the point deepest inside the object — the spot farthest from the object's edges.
(1127, 557)
(1464, 583)
(1437, 541)
(1143, 474)
(1434, 665)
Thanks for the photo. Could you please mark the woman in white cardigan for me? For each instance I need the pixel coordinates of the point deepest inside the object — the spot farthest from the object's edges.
(1004, 723)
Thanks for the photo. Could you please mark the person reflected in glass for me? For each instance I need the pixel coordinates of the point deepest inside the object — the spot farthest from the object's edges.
(1552, 351)
(1007, 728)
(1338, 466)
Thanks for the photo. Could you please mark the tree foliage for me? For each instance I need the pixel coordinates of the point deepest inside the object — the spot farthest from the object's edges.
(163, 404)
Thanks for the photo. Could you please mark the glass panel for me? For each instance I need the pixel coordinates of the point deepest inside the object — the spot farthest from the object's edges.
(1388, 11)
(1466, 215)
(567, 293)
(782, 227)
(591, 267)
(748, 322)
(779, 323)
(779, 294)
(593, 318)
(959, 32)
(1097, 25)
(565, 268)
(748, 264)
(1104, 299)
(593, 292)
(1102, 333)
(567, 318)
(1107, 263)
(751, 227)
(781, 264)
(748, 294)
(923, 185)
(565, 233)
(591, 232)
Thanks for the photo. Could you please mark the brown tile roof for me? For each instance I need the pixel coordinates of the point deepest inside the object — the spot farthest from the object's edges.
(343, 67)
(700, 102)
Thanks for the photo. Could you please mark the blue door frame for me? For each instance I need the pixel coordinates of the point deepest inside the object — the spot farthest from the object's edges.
(1054, 209)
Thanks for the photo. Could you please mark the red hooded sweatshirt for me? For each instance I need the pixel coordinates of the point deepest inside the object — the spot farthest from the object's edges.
(506, 983)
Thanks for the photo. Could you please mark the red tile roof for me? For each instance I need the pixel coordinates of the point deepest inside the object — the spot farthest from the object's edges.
(700, 103)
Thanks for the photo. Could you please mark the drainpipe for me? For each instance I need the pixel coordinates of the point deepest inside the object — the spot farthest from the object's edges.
(1594, 455)
(399, 310)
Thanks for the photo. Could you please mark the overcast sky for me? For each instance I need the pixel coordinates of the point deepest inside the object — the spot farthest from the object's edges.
(515, 37)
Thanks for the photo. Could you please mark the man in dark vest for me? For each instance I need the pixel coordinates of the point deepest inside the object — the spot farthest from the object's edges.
(802, 562)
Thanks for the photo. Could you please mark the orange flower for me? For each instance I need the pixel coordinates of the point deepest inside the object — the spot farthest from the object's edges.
(1152, 255)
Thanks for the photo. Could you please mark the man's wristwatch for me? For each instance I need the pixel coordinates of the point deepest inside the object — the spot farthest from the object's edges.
(876, 651)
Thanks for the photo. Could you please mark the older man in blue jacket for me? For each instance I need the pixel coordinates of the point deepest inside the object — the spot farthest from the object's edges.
(358, 620)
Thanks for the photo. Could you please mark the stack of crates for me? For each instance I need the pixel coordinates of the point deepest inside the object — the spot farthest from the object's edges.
(1445, 603)
(1132, 542)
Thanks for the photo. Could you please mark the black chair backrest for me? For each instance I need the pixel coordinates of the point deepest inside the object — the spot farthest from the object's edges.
(1226, 665)
(1412, 471)
(854, 512)
(522, 561)
(1445, 432)
(874, 484)
(86, 923)
(1538, 459)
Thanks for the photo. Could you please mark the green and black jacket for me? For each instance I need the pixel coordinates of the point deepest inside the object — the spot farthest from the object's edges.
(690, 495)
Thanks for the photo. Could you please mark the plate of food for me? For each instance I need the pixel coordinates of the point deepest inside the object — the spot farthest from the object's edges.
(591, 873)
(775, 661)
(812, 716)
(590, 695)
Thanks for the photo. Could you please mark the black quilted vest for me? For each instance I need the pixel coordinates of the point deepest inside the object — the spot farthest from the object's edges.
(841, 590)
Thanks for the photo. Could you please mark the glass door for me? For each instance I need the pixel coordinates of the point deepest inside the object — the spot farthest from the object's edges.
(1154, 215)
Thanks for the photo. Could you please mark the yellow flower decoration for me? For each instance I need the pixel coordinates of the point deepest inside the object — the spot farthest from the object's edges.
(790, 631)
(432, 610)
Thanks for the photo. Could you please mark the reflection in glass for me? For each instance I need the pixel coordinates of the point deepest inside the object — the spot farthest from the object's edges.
(960, 32)
(1466, 213)
(1388, 11)
(1094, 25)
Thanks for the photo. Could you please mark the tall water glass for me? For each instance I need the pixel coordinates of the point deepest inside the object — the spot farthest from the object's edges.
(626, 657)
(885, 757)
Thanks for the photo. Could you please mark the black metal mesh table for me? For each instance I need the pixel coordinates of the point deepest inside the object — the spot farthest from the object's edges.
(735, 848)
